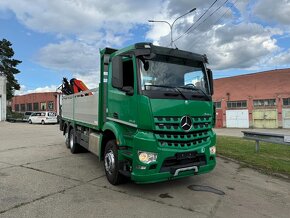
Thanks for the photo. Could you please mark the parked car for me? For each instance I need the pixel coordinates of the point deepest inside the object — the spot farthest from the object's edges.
(43, 117)
(26, 115)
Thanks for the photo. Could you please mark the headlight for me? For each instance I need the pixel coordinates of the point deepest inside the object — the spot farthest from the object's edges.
(147, 157)
(212, 150)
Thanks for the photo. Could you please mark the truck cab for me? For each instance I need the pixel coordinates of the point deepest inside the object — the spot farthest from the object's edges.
(155, 115)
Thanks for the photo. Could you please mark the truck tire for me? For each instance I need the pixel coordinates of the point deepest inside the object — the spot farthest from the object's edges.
(74, 147)
(66, 136)
(111, 164)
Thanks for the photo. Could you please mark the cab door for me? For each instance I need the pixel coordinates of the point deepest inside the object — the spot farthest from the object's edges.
(122, 94)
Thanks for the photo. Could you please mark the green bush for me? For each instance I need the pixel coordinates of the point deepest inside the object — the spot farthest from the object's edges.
(13, 115)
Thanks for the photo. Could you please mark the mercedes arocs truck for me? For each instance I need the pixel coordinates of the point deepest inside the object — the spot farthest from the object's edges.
(151, 117)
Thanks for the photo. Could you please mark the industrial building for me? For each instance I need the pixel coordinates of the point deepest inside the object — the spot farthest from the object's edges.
(258, 100)
(3, 100)
(45, 101)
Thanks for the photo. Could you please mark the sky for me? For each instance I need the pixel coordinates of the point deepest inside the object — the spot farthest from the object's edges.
(62, 38)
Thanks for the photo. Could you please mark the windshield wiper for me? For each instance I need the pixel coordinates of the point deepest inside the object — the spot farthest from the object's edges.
(193, 87)
(170, 87)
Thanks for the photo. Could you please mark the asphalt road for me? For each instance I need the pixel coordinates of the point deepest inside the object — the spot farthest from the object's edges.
(39, 177)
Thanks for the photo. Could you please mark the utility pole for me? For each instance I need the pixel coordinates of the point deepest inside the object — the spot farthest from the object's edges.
(171, 25)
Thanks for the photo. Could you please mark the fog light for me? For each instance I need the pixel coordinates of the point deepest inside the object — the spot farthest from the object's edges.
(212, 150)
(147, 157)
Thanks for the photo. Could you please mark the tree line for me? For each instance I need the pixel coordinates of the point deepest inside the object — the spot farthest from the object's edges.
(8, 67)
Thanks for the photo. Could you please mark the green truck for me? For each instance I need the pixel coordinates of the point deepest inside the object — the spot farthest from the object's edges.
(151, 117)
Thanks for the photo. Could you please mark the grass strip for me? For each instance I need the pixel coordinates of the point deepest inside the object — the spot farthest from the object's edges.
(272, 158)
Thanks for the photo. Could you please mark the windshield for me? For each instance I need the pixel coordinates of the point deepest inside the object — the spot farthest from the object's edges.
(164, 72)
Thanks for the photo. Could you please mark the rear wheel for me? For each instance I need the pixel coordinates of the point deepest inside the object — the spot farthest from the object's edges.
(111, 164)
(42, 122)
(74, 147)
(66, 138)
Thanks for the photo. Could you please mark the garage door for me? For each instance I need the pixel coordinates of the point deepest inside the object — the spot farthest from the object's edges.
(286, 118)
(237, 118)
(265, 118)
(219, 118)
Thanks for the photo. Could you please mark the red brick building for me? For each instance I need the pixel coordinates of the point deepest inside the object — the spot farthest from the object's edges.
(45, 101)
(258, 100)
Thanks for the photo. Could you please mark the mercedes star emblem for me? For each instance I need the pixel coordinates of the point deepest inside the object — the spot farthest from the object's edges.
(186, 123)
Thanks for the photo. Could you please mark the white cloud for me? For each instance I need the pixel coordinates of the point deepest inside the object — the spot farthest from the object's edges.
(74, 56)
(79, 16)
(23, 89)
(83, 26)
(276, 11)
(281, 59)
(233, 44)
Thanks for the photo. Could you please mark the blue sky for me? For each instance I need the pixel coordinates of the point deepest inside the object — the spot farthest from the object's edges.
(61, 38)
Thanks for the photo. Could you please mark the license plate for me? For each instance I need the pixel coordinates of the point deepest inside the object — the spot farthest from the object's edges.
(185, 155)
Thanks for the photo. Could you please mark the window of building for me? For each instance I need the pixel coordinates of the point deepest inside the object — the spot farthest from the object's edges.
(218, 104)
(35, 106)
(17, 107)
(29, 107)
(50, 105)
(22, 107)
(264, 102)
(237, 104)
(43, 106)
(286, 101)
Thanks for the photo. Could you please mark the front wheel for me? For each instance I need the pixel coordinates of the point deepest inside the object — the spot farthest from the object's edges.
(111, 164)
(42, 122)
(74, 146)
(29, 121)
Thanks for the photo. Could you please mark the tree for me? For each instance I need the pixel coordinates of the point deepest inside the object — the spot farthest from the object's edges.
(8, 67)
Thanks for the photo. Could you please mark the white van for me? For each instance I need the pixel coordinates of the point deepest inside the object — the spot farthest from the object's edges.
(43, 117)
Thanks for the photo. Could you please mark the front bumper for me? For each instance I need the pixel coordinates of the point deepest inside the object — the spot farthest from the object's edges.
(168, 166)
(159, 177)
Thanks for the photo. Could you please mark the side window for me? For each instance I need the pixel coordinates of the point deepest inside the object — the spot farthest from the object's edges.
(128, 73)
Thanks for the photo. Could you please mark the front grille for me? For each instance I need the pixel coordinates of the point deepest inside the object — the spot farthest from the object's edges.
(173, 163)
(169, 133)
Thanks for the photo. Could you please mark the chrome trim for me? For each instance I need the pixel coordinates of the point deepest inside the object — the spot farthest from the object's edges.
(186, 169)
(121, 121)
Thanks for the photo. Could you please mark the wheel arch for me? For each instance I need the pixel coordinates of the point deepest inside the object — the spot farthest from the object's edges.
(111, 131)
(65, 126)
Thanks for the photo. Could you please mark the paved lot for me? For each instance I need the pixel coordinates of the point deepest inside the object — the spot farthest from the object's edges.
(39, 177)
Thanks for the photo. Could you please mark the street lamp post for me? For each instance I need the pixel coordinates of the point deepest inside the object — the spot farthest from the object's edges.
(171, 25)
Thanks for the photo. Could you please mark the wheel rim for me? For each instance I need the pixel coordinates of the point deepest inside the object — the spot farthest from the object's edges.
(110, 162)
(71, 141)
(66, 137)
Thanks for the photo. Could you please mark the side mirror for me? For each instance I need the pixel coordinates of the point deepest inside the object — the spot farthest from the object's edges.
(210, 78)
(129, 90)
(117, 72)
